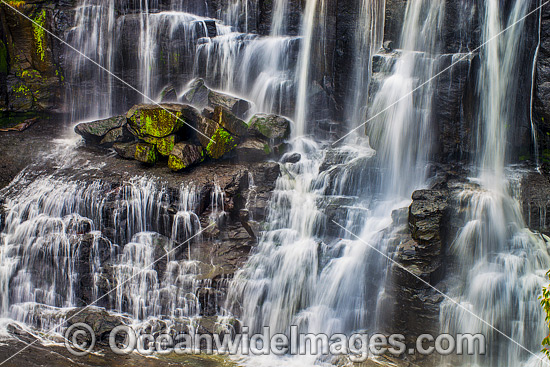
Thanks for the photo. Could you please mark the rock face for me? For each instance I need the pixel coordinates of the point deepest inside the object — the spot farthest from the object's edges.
(31, 61)
(419, 236)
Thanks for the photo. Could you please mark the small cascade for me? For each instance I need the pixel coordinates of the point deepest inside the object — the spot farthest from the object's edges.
(57, 254)
(502, 264)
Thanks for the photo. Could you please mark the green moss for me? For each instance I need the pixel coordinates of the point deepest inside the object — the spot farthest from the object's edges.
(220, 143)
(165, 145)
(157, 122)
(267, 149)
(175, 164)
(40, 34)
(546, 155)
(146, 153)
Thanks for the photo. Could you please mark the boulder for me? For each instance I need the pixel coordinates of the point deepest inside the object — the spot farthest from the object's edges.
(202, 96)
(273, 127)
(126, 150)
(291, 158)
(215, 139)
(221, 142)
(253, 150)
(146, 153)
(118, 135)
(101, 321)
(184, 155)
(157, 121)
(230, 122)
(95, 131)
(169, 94)
(164, 145)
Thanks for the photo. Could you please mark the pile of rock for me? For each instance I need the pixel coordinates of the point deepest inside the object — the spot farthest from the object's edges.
(185, 137)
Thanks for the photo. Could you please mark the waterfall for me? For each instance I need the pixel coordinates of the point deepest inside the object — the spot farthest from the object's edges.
(502, 264)
(306, 270)
(54, 236)
(312, 26)
(367, 41)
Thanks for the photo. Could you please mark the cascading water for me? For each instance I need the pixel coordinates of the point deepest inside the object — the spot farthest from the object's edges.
(306, 271)
(172, 47)
(502, 263)
(49, 244)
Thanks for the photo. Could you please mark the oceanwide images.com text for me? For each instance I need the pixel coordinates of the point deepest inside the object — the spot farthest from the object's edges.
(80, 340)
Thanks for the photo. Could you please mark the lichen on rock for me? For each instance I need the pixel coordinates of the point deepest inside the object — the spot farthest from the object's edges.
(146, 153)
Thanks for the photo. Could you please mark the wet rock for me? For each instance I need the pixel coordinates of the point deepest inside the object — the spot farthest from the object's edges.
(202, 96)
(164, 145)
(146, 153)
(535, 201)
(184, 155)
(95, 131)
(118, 135)
(268, 126)
(253, 150)
(291, 158)
(101, 322)
(125, 150)
(230, 122)
(169, 94)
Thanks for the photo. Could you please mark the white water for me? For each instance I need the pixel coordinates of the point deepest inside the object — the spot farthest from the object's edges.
(308, 272)
(502, 264)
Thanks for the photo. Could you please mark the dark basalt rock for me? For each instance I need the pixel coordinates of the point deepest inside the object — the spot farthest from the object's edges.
(95, 131)
(125, 150)
(253, 150)
(184, 155)
(201, 96)
(101, 322)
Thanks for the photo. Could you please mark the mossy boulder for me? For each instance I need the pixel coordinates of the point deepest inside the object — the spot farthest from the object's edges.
(202, 96)
(221, 143)
(164, 145)
(184, 155)
(216, 140)
(126, 150)
(95, 131)
(230, 122)
(146, 153)
(154, 120)
(268, 126)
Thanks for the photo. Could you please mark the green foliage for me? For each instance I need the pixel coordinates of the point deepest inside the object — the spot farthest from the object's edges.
(545, 303)
(40, 35)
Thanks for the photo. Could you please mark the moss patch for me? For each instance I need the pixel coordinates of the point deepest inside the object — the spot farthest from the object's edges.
(156, 122)
(146, 153)
(175, 164)
(39, 33)
(220, 143)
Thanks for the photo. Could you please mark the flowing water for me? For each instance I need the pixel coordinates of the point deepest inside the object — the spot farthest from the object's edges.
(305, 270)
(502, 264)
